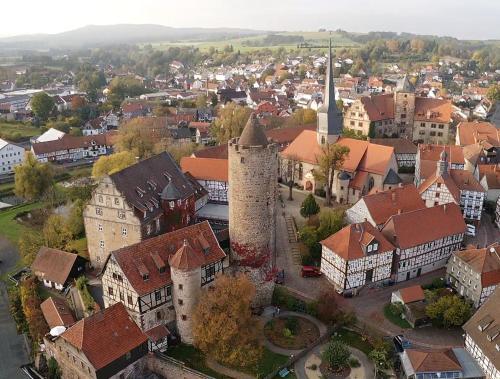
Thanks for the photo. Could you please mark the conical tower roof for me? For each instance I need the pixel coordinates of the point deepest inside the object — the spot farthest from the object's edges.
(404, 85)
(186, 258)
(252, 134)
(170, 192)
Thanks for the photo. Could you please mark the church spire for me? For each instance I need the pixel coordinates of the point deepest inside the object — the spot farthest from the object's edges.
(329, 126)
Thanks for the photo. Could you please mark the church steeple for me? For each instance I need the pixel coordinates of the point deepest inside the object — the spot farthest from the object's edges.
(329, 126)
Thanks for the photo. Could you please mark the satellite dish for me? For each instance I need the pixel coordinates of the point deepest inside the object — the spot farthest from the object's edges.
(57, 330)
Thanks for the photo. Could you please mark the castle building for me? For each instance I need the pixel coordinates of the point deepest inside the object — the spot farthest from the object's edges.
(401, 114)
(146, 199)
(475, 273)
(253, 173)
(454, 186)
(160, 280)
(329, 126)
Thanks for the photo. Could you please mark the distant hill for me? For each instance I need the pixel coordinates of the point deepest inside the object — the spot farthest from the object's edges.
(98, 35)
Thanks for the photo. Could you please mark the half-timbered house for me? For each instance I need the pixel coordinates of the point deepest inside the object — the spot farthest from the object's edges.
(141, 277)
(355, 256)
(211, 173)
(424, 239)
(428, 155)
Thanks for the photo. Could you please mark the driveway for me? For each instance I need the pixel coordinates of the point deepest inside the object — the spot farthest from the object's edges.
(12, 347)
(486, 233)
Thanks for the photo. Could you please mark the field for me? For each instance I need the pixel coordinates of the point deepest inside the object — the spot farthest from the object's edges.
(10, 227)
(17, 131)
(241, 44)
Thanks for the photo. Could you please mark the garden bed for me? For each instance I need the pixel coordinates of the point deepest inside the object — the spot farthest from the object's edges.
(326, 373)
(292, 332)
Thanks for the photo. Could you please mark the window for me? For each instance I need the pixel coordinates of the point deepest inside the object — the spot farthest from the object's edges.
(180, 287)
(158, 225)
(124, 231)
(242, 160)
(100, 199)
(433, 126)
(422, 124)
(99, 227)
(437, 194)
(110, 291)
(98, 211)
(360, 124)
(149, 229)
(352, 123)
(129, 300)
(441, 126)
(121, 215)
(117, 201)
(158, 315)
(184, 317)
(432, 134)
(122, 298)
(180, 301)
(157, 295)
(369, 249)
(403, 115)
(101, 244)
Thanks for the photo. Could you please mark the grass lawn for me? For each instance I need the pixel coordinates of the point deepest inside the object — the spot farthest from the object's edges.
(354, 339)
(193, 358)
(395, 318)
(10, 228)
(79, 245)
(16, 131)
(269, 362)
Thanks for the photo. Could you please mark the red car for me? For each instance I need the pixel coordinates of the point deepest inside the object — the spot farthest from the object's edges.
(310, 272)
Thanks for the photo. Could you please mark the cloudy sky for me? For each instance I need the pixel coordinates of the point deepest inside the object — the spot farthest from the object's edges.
(478, 19)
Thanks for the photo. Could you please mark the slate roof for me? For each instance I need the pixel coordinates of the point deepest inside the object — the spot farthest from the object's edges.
(400, 145)
(392, 178)
(105, 336)
(252, 134)
(53, 265)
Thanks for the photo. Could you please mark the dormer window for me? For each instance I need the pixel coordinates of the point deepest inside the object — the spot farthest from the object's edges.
(484, 323)
(145, 277)
(369, 248)
(375, 246)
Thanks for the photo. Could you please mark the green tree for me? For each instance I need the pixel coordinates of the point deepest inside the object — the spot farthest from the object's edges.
(380, 359)
(493, 93)
(107, 165)
(309, 206)
(75, 219)
(230, 122)
(42, 105)
(336, 355)
(302, 117)
(29, 244)
(330, 222)
(56, 233)
(201, 101)
(54, 372)
(330, 161)
(126, 87)
(449, 311)
(32, 178)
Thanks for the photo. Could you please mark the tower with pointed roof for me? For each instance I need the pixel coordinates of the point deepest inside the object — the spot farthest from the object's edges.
(253, 169)
(329, 124)
(185, 272)
(404, 107)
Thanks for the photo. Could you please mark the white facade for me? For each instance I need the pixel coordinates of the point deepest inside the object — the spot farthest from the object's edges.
(10, 156)
(486, 365)
(217, 190)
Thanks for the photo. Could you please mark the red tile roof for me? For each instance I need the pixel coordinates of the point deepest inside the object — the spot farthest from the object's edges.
(206, 168)
(433, 361)
(134, 258)
(105, 336)
(186, 258)
(53, 265)
(472, 132)
(485, 261)
(350, 242)
(56, 312)
(432, 110)
(68, 142)
(157, 333)
(412, 294)
(415, 228)
(217, 152)
(379, 107)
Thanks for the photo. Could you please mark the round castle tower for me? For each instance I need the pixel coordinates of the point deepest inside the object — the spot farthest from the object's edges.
(253, 171)
(185, 271)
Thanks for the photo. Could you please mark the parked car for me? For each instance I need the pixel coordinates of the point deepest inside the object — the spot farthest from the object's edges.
(310, 272)
(400, 343)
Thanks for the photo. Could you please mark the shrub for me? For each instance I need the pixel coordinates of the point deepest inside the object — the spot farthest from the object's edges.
(353, 362)
(292, 324)
(88, 300)
(336, 355)
(287, 333)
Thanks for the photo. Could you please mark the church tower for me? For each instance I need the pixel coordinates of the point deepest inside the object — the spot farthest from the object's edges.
(404, 108)
(329, 127)
(253, 171)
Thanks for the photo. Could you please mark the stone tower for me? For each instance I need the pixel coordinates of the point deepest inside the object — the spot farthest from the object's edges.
(253, 172)
(404, 108)
(329, 124)
(185, 271)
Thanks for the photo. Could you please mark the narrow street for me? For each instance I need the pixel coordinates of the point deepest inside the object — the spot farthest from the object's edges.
(12, 347)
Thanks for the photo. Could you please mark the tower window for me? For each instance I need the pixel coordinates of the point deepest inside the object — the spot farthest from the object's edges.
(242, 160)
(184, 317)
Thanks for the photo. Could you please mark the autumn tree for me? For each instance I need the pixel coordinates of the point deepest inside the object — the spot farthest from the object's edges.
(32, 178)
(28, 245)
(493, 93)
(331, 159)
(292, 167)
(230, 122)
(201, 101)
(74, 221)
(302, 117)
(77, 102)
(30, 301)
(137, 137)
(223, 327)
(309, 207)
(126, 87)
(449, 311)
(56, 233)
(42, 105)
(107, 165)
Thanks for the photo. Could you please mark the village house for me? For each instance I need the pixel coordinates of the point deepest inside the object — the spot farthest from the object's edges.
(424, 239)
(356, 256)
(489, 178)
(404, 149)
(70, 148)
(211, 173)
(56, 312)
(135, 109)
(161, 280)
(482, 139)
(475, 273)
(482, 339)
(429, 155)
(454, 186)
(11, 155)
(107, 344)
(54, 268)
(379, 206)
(443, 363)
(146, 199)
(413, 302)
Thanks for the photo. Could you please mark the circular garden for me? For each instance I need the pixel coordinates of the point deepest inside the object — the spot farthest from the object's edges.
(291, 332)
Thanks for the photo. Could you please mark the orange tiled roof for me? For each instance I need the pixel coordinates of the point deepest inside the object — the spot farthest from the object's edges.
(485, 261)
(412, 294)
(348, 242)
(379, 107)
(106, 336)
(56, 312)
(433, 361)
(428, 109)
(472, 132)
(206, 168)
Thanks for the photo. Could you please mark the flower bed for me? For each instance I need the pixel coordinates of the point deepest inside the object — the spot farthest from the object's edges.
(291, 332)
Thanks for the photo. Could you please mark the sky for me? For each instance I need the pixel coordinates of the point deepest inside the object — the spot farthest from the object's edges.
(478, 19)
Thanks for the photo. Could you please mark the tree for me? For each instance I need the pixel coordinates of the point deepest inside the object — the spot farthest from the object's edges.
(126, 87)
(30, 301)
(107, 165)
(292, 168)
(332, 159)
(449, 311)
(74, 222)
(201, 101)
(336, 355)
(330, 222)
(138, 137)
(28, 245)
(309, 207)
(32, 179)
(302, 117)
(380, 359)
(493, 93)
(55, 232)
(230, 122)
(54, 372)
(42, 105)
(223, 327)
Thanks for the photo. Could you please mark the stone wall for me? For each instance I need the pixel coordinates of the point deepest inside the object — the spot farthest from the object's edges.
(170, 368)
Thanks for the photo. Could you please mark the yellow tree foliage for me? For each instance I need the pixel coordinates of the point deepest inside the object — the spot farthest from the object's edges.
(223, 327)
(32, 178)
(56, 232)
(139, 136)
(230, 122)
(107, 165)
(302, 117)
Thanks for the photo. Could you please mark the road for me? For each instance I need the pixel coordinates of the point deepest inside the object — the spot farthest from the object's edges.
(12, 348)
